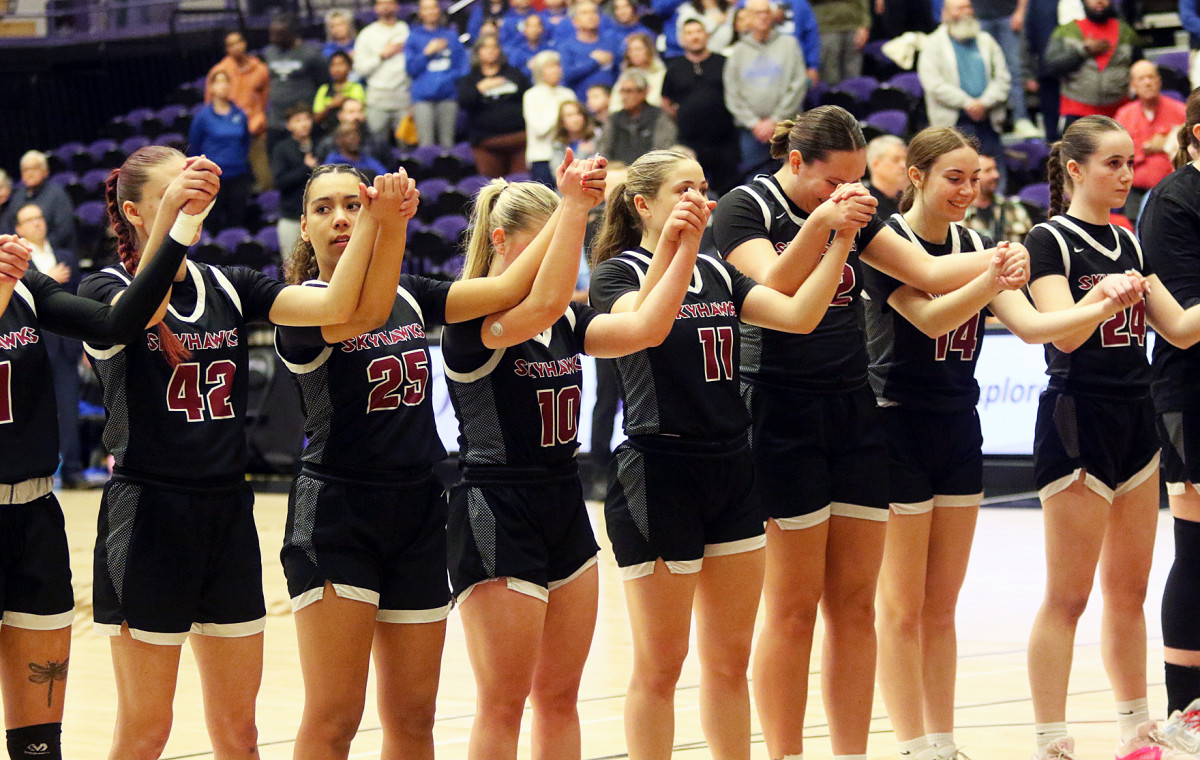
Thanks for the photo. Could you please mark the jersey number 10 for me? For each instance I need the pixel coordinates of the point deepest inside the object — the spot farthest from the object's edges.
(560, 414)
(183, 390)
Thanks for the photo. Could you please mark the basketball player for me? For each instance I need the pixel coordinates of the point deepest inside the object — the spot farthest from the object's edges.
(177, 550)
(36, 599)
(923, 352)
(818, 445)
(1095, 449)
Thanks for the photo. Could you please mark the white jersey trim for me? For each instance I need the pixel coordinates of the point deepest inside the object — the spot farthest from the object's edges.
(482, 372)
(1062, 246)
(783, 202)
(106, 353)
(30, 622)
(591, 562)
(720, 270)
(762, 204)
(412, 301)
(201, 292)
(414, 617)
(303, 369)
(25, 295)
(1137, 246)
(1109, 253)
(231, 630)
(227, 286)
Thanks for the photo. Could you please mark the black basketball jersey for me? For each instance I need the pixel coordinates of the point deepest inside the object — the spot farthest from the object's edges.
(1113, 360)
(519, 405)
(183, 423)
(28, 416)
(831, 358)
(1170, 231)
(367, 398)
(689, 386)
(907, 366)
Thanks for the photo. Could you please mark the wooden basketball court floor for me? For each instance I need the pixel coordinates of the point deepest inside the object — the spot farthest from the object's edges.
(993, 715)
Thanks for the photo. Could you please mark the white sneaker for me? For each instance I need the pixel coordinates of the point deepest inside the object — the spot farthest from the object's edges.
(1182, 730)
(956, 754)
(1026, 128)
(1151, 744)
(1059, 749)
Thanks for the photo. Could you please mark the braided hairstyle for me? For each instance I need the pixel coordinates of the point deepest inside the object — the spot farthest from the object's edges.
(1187, 136)
(126, 184)
(301, 264)
(1077, 143)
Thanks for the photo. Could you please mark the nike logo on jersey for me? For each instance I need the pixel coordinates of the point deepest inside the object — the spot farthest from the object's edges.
(1089, 281)
(383, 338)
(198, 341)
(703, 310)
(22, 337)
(1078, 250)
(558, 368)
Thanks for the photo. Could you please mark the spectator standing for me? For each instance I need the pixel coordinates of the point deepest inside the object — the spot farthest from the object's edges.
(965, 77)
(54, 202)
(540, 106)
(534, 39)
(1004, 20)
(491, 96)
(599, 100)
(575, 129)
(330, 96)
(353, 113)
(887, 174)
(589, 56)
(220, 131)
(844, 28)
(339, 33)
(513, 21)
(553, 14)
(297, 70)
(484, 11)
(640, 55)
(628, 21)
(62, 267)
(436, 61)
(379, 61)
(347, 149)
(807, 33)
(1149, 120)
(895, 17)
(637, 128)
(998, 216)
(249, 87)
(765, 83)
(715, 15)
(292, 162)
(1092, 57)
(694, 95)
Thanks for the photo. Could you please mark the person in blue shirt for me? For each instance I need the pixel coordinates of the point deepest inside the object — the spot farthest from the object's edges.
(628, 20)
(535, 38)
(221, 132)
(436, 60)
(513, 21)
(347, 149)
(804, 26)
(590, 55)
(485, 10)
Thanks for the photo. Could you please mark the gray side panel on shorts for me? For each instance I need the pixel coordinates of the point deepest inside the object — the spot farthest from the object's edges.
(483, 529)
(122, 509)
(116, 427)
(631, 471)
(307, 490)
(751, 360)
(314, 387)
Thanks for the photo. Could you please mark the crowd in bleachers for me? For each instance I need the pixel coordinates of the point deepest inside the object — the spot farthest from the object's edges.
(506, 92)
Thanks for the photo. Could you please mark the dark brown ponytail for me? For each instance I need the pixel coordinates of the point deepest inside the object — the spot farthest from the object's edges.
(1187, 133)
(300, 264)
(816, 133)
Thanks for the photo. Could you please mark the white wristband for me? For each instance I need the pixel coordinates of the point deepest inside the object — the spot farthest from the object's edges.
(187, 226)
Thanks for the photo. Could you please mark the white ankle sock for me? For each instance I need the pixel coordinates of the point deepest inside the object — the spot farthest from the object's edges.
(793, 757)
(917, 749)
(944, 744)
(850, 757)
(1130, 715)
(1045, 733)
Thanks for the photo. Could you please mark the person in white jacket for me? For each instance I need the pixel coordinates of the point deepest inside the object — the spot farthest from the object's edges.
(540, 105)
(965, 77)
(379, 63)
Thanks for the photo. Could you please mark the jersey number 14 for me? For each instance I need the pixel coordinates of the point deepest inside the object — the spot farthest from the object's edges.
(964, 339)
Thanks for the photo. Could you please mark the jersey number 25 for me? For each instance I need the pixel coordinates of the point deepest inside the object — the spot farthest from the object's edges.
(389, 373)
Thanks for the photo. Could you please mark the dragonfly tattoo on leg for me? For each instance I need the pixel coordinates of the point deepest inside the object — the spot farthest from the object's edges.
(48, 674)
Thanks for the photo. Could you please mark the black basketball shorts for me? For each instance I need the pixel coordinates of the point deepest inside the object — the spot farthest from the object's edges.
(935, 458)
(170, 561)
(681, 503)
(818, 455)
(532, 531)
(379, 543)
(1179, 435)
(1112, 440)
(35, 563)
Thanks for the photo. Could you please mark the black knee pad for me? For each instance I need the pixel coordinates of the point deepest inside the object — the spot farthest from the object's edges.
(40, 742)
(1181, 597)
